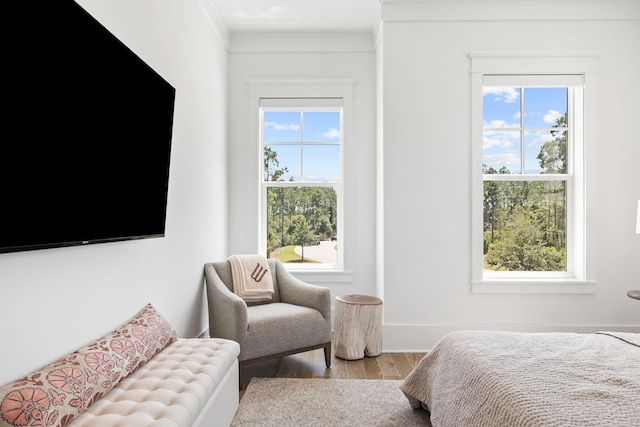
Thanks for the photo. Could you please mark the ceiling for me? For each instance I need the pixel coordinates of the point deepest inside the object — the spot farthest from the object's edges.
(283, 16)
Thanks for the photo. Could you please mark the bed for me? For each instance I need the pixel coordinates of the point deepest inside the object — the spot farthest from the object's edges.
(529, 379)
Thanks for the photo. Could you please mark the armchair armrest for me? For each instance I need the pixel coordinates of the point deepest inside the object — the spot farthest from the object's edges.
(227, 311)
(297, 292)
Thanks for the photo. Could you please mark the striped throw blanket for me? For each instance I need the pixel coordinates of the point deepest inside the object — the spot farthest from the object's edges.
(252, 279)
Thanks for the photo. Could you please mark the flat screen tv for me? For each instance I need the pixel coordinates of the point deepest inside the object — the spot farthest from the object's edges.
(87, 134)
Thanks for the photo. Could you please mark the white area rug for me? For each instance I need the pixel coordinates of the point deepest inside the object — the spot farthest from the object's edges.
(300, 402)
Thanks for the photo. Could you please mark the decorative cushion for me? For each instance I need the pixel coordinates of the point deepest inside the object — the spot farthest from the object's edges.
(60, 391)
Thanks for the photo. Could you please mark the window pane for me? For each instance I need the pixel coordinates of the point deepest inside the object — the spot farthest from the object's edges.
(501, 107)
(533, 142)
(282, 163)
(321, 163)
(322, 126)
(501, 151)
(545, 107)
(282, 126)
(545, 152)
(525, 225)
(544, 145)
(301, 224)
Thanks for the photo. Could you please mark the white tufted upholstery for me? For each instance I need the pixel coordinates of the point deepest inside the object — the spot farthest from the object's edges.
(177, 387)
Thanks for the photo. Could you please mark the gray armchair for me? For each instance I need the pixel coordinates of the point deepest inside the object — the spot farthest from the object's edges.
(296, 319)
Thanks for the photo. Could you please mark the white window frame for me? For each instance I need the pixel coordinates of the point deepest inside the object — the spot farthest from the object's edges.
(301, 94)
(526, 70)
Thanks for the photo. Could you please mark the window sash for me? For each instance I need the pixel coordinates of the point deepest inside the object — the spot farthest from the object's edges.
(335, 108)
(339, 215)
(525, 177)
(574, 113)
(305, 105)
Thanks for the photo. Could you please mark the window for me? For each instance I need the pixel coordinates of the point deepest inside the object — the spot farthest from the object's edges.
(527, 164)
(529, 190)
(302, 181)
(329, 178)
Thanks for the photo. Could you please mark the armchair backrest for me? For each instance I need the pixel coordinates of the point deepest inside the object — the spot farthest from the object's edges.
(223, 268)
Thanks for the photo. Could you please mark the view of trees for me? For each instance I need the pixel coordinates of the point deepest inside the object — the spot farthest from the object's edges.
(525, 221)
(296, 215)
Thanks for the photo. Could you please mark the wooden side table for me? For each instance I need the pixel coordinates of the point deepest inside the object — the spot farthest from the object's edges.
(358, 327)
(634, 294)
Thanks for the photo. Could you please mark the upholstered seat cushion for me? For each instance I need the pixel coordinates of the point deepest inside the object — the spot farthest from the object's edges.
(279, 327)
(169, 390)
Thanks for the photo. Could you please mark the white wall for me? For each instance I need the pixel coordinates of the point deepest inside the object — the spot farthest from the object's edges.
(56, 300)
(278, 57)
(426, 165)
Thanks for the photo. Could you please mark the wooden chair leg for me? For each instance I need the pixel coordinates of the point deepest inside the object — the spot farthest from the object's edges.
(327, 354)
(241, 375)
(242, 364)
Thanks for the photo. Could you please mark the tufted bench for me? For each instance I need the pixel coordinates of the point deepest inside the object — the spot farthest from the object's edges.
(192, 382)
(139, 375)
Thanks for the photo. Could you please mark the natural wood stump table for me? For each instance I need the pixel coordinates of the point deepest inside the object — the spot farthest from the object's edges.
(358, 328)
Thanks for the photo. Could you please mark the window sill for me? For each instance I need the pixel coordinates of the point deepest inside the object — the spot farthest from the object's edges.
(320, 276)
(541, 286)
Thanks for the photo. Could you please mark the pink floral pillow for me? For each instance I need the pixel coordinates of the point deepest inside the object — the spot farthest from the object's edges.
(57, 393)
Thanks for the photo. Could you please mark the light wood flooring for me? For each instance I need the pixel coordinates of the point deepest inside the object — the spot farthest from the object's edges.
(386, 366)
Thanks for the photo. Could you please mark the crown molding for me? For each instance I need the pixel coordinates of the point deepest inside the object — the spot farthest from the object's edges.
(301, 42)
(217, 22)
(508, 10)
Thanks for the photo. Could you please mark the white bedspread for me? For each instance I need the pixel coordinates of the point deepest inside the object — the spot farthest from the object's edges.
(515, 379)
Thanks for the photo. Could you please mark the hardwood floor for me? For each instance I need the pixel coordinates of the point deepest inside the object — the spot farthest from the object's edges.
(387, 366)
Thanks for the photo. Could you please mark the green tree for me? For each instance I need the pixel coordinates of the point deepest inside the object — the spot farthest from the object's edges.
(302, 234)
(276, 199)
(553, 154)
(494, 201)
(285, 204)
(271, 164)
(521, 247)
(553, 160)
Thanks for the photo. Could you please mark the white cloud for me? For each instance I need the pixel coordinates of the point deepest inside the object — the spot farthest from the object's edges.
(332, 133)
(499, 160)
(281, 126)
(499, 124)
(509, 94)
(539, 139)
(551, 117)
(498, 139)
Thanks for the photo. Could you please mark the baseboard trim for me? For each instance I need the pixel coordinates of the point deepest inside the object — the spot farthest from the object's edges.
(422, 338)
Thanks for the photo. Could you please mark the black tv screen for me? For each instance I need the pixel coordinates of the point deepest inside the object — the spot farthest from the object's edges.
(88, 128)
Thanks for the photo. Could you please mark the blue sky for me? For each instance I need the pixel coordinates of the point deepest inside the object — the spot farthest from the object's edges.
(309, 145)
(502, 114)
